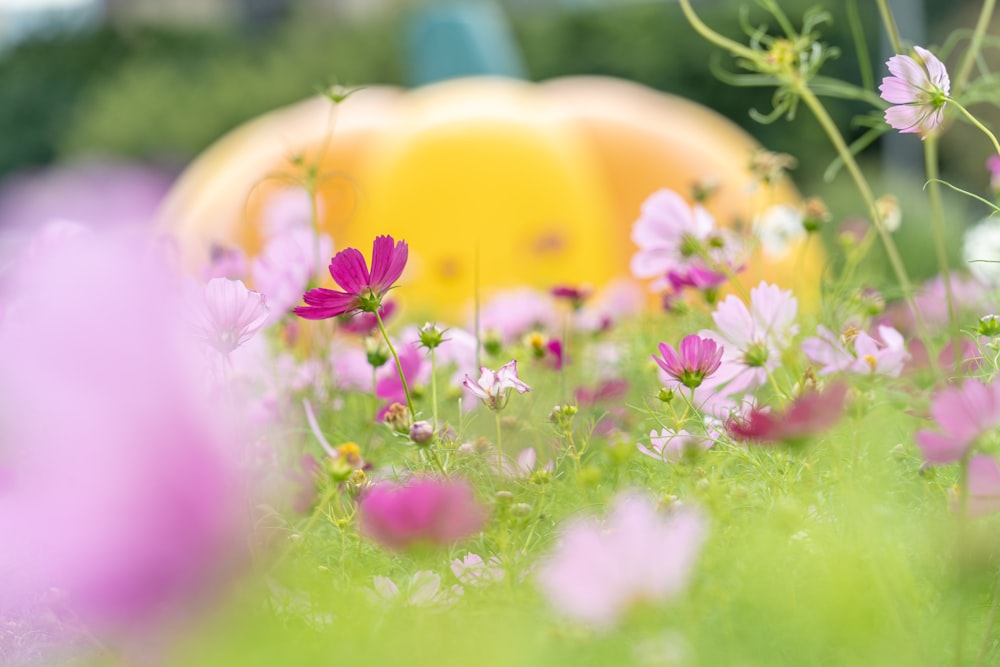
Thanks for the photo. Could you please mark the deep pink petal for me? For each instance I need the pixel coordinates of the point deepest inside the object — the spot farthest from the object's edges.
(940, 449)
(388, 262)
(349, 270)
(322, 303)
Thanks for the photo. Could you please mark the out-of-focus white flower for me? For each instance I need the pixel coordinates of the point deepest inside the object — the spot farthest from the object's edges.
(981, 249)
(778, 228)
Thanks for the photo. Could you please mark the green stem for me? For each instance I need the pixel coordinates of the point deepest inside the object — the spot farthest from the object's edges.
(434, 392)
(890, 26)
(975, 44)
(399, 367)
(496, 413)
(715, 38)
(937, 226)
(972, 119)
(864, 190)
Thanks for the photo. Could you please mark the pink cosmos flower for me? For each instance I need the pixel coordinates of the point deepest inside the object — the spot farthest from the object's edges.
(228, 314)
(963, 414)
(513, 313)
(918, 88)
(619, 299)
(423, 589)
(493, 387)
(671, 445)
(858, 352)
(984, 485)
(752, 339)
(993, 166)
(671, 235)
(120, 485)
(400, 514)
(597, 573)
(474, 571)
(286, 263)
(809, 414)
(366, 324)
(363, 289)
(225, 262)
(696, 358)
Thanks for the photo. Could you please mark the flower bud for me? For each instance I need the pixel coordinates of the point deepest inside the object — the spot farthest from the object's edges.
(504, 497)
(399, 418)
(814, 214)
(521, 509)
(430, 336)
(989, 326)
(422, 432)
(889, 211)
(666, 394)
(376, 352)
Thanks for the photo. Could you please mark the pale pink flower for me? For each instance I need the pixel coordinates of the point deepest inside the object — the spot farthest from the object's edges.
(286, 263)
(363, 289)
(472, 570)
(984, 485)
(423, 589)
(598, 572)
(671, 446)
(226, 262)
(858, 352)
(919, 88)
(493, 387)
(963, 414)
(695, 359)
(228, 314)
(753, 338)
(513, 313)
(619, 299)
(671, 235)
(400, 514)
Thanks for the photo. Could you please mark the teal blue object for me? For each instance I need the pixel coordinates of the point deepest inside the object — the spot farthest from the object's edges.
(455, 40)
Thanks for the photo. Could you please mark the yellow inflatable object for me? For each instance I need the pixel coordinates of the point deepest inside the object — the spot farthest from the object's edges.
(544, 179)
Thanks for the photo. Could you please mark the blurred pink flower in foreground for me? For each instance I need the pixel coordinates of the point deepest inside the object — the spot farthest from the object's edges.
(984, 485)
(811, 413)
(364, 289)
(422, 509)
(119, 486)
(963, 414)
(918, 89)
(598, 572)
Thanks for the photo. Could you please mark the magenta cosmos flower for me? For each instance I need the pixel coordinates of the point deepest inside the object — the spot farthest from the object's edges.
(963, 414)
(809, 414)
(918, 88)
(696, 358)
(493, 387)
(429, 510)
(363, 289)
(598, 572)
